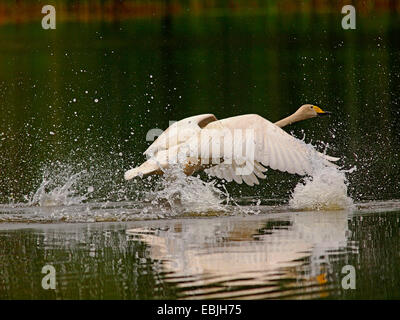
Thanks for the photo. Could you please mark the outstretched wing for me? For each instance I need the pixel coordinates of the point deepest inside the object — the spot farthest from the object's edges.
(179, 132)
(229, 173)
(250, 143)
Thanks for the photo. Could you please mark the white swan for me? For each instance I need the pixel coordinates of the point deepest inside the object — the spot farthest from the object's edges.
(237, 148)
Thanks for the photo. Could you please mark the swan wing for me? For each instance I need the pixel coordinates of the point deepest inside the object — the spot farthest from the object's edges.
(179, 132)
(243, 146)
(228, 172)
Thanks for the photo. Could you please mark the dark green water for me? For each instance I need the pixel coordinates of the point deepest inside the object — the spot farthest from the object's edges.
(145, 74)
(288, 255)
(83, 97)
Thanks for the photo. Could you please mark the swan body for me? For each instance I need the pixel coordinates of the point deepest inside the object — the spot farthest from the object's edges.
(235, 149)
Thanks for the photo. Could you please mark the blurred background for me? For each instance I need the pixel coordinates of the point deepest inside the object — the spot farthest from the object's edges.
(76, 104)
(83, 96)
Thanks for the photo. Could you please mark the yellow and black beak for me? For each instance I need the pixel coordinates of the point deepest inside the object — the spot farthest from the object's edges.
(320, 112)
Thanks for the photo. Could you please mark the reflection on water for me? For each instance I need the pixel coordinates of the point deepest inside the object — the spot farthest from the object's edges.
(294, 255)
(251, 259)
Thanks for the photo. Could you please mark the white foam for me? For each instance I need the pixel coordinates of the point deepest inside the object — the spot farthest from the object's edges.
(325, 190)
(184, 193)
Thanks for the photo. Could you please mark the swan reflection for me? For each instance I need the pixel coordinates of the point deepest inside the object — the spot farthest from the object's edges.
(263, 257)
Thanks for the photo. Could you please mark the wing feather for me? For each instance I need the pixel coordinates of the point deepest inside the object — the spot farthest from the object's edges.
(274, 148)
(179, 132)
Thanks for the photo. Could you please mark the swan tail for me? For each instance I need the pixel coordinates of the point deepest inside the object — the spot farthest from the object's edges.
(329, 158)
(147, 168)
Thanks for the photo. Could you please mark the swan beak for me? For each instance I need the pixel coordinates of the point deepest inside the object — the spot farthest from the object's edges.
(321, 112)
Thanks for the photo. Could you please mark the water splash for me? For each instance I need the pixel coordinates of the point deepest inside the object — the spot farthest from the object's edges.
(179, 193)
(325, 190)
(59, 190)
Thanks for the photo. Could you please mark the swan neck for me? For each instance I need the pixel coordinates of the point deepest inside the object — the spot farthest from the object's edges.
(287, 121)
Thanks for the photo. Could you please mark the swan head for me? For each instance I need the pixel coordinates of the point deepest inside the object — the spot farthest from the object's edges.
(307, 111)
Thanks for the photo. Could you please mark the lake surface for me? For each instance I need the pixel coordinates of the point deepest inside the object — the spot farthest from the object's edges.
(76, 104)
(275, 254)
